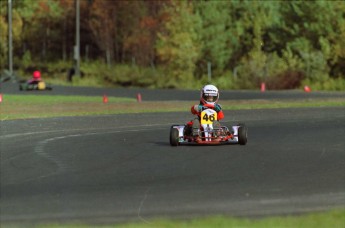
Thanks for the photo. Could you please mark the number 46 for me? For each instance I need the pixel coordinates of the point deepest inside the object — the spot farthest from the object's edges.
(209, 118)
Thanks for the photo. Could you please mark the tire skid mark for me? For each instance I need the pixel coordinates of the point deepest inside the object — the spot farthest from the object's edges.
(61, 167)
(20, 135)
(77, 129)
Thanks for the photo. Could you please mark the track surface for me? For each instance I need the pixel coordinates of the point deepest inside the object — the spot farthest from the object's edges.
(119, 168)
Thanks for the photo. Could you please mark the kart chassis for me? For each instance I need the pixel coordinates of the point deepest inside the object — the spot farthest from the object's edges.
(237, 134)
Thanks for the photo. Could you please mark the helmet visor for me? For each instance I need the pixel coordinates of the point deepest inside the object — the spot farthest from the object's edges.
(210, 97)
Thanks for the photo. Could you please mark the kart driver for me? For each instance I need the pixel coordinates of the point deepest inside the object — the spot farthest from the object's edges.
(209, 96)
(36, 77)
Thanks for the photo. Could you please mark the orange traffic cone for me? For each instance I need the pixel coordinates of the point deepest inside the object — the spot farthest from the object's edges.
(139, 97)
(105, 99)
(307, 89)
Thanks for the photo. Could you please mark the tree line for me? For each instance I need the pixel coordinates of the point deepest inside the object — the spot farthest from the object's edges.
(242, 43)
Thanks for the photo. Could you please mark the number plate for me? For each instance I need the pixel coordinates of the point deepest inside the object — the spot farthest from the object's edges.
(208, 116)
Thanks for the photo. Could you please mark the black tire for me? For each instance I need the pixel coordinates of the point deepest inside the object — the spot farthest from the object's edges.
(174, 136)
(242, 134)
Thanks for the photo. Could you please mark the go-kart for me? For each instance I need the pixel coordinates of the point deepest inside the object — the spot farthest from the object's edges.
(38, 85)
(207, 133)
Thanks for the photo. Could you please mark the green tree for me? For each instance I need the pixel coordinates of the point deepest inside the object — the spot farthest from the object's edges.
(39, 33)
(102, 23)
(315, 32)
(17, 27)
(178, 45)
(252, 29)
(214, 34)
(3, 36)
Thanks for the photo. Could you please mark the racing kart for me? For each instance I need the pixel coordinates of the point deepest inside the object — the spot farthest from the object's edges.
(207, 133)
(40, 85)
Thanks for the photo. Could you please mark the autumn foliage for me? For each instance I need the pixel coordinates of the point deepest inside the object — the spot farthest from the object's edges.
(282, 43)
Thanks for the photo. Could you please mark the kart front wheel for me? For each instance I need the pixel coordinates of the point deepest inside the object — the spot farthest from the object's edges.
(242, 134)
(174, 136)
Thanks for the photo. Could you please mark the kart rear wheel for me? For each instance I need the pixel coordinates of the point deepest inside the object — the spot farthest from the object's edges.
(174, 136)
(242, 134)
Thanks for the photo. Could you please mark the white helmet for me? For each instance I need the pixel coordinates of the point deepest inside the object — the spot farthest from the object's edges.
(209, 94)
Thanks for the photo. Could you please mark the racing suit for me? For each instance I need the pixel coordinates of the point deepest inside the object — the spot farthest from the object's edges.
(193, 126)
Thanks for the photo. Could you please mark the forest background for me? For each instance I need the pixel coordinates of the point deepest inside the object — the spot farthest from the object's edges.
(235, 44)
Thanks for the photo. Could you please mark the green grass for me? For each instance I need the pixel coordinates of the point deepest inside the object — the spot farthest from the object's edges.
(43, 106)
(305, 103)
(45, 99)
(327, 219)
(331, 219)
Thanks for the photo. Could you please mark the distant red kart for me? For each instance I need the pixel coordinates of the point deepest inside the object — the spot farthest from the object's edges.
(207, 133)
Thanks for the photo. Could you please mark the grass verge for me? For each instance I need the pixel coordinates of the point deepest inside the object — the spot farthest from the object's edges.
(334, 218)
(31, 106)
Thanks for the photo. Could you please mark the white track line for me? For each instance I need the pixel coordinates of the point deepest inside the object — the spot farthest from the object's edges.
(61, 167)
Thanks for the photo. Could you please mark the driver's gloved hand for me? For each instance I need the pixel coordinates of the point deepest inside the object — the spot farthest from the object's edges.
(217, 107)
(201, 108)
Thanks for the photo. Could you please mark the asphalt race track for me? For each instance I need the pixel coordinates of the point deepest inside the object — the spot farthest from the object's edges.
(118, 168)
